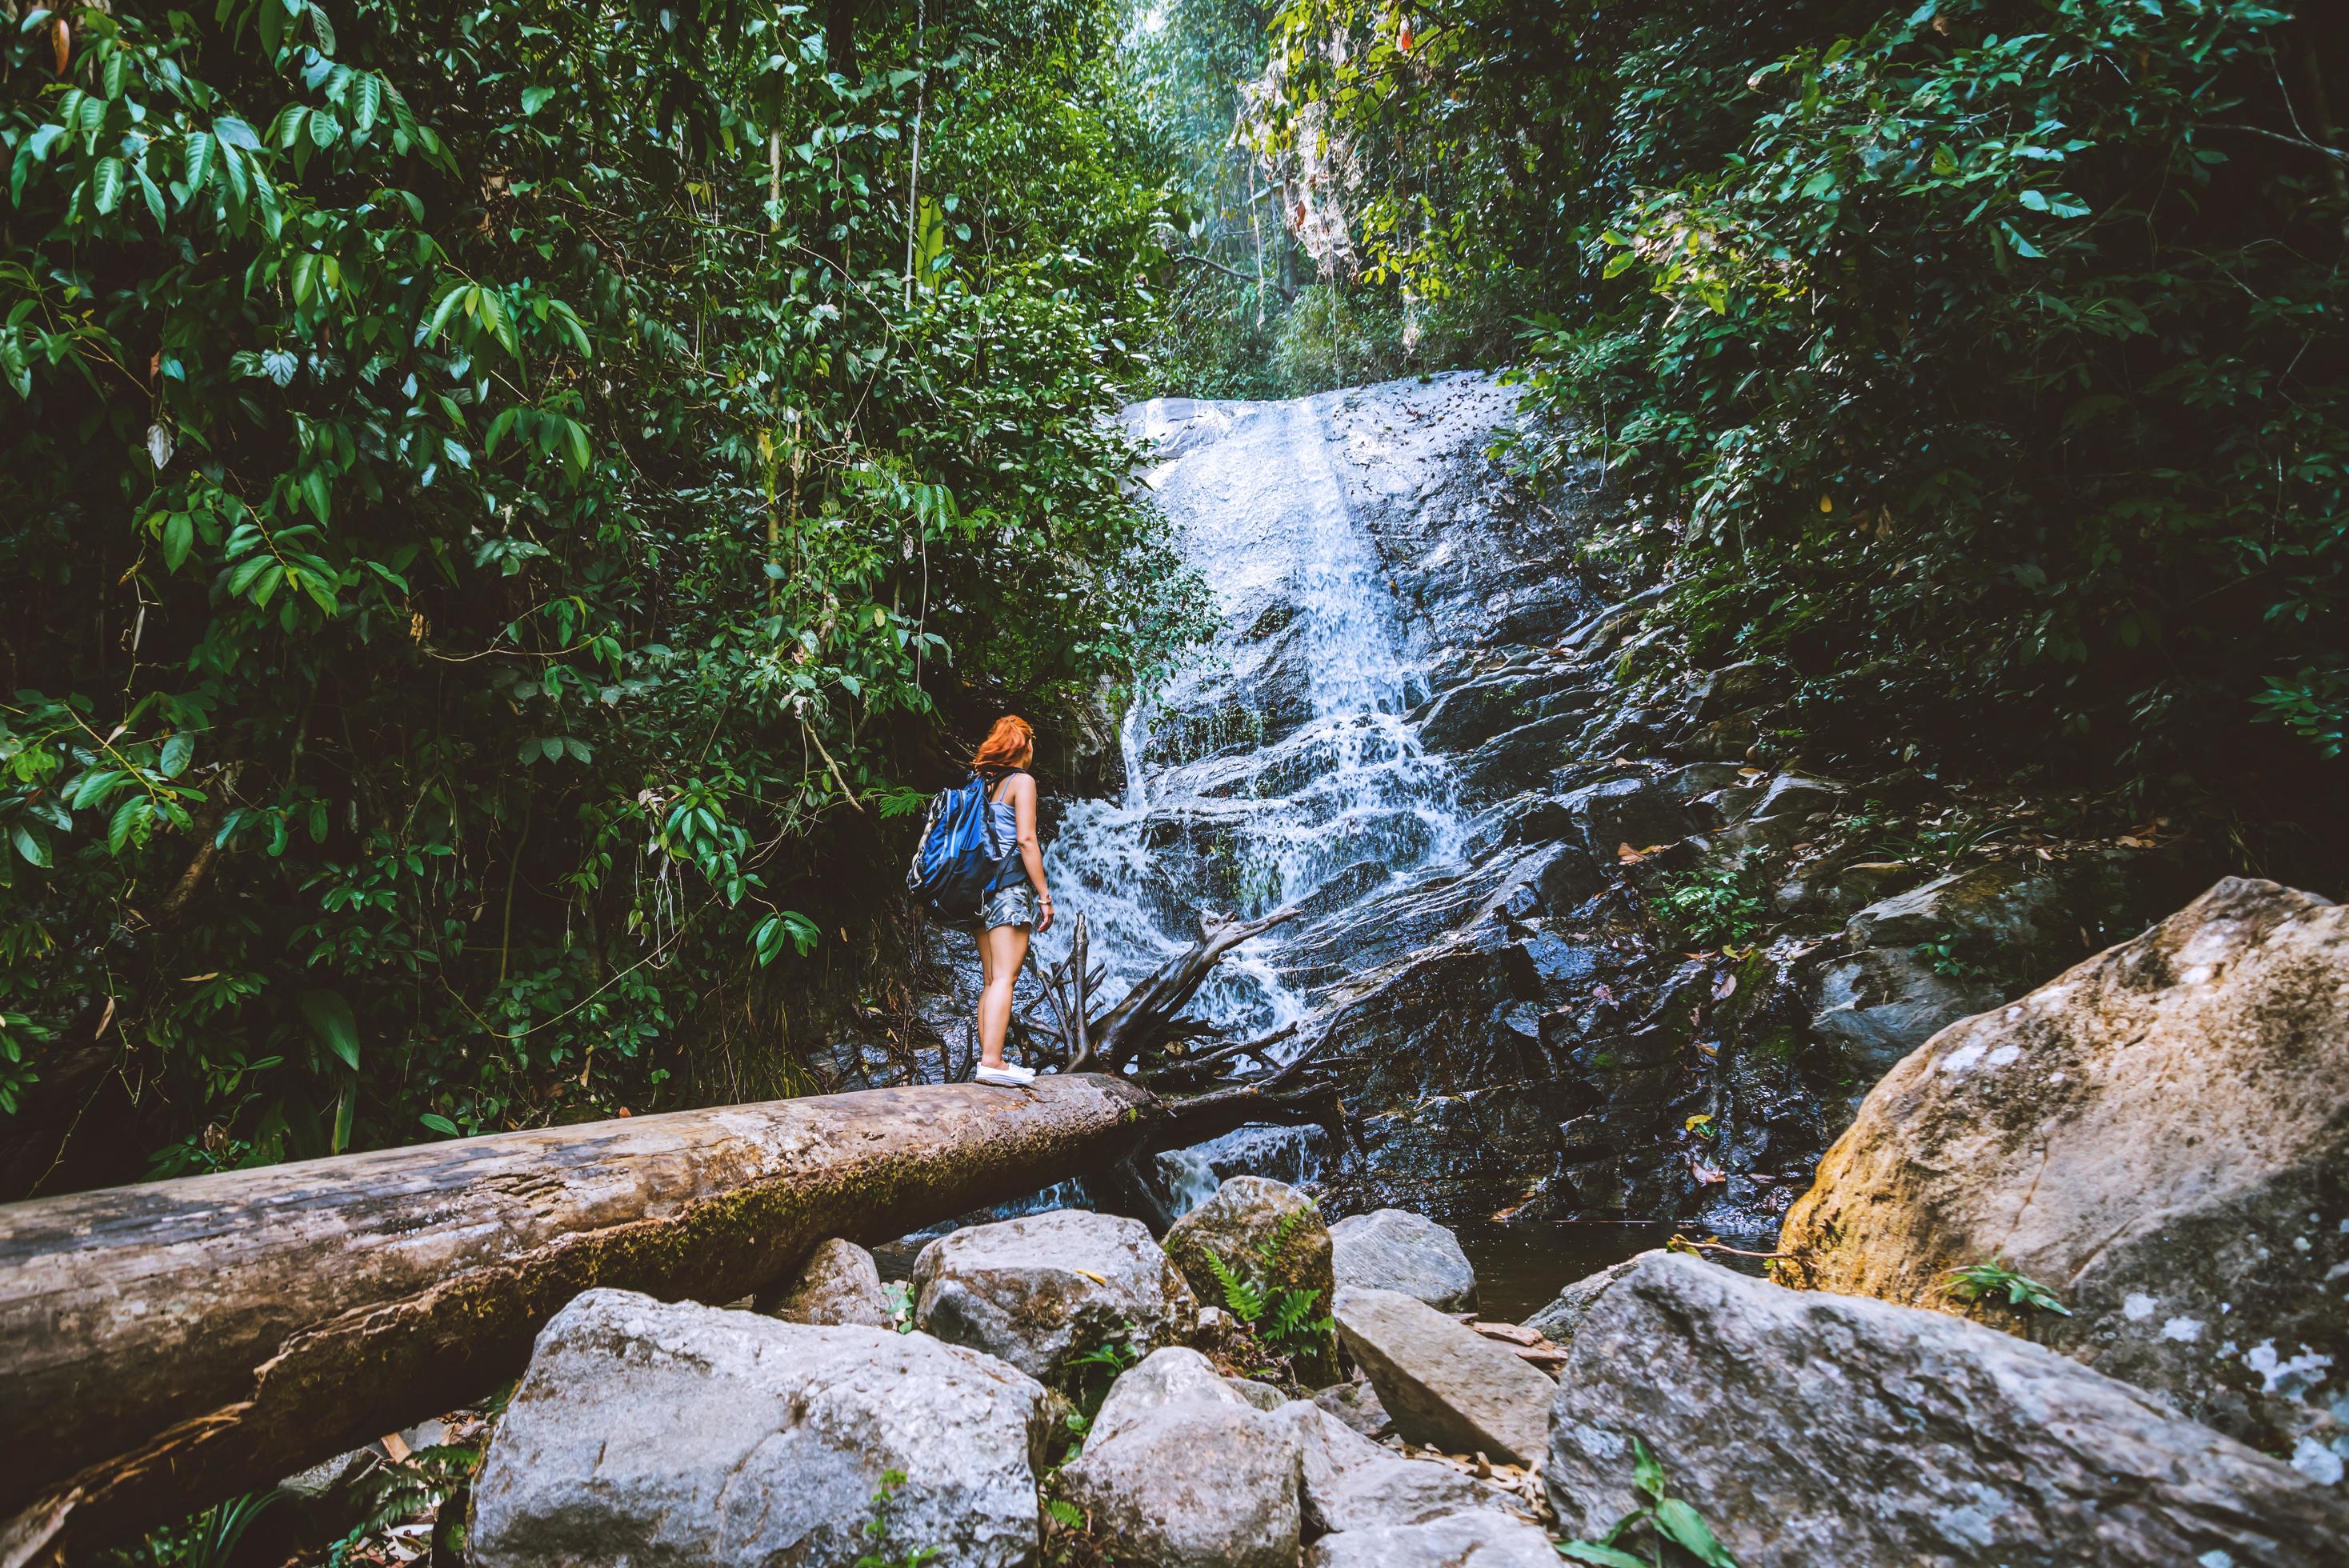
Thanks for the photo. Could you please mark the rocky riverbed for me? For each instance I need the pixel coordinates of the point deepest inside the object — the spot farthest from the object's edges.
(2068, 1290)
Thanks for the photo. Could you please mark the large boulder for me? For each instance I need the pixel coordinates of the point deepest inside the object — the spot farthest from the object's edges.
(840, 1283)
(1443, 1382)
(1481, 1540)
(1395, 1248)
(1560, 1321)
(2159, 1136)
(1044, 1289)
(1247, 1218)
(1196, 1483)
(1176, 1375)
(1809, 1428)
(653, 1432)
(1353, 1483)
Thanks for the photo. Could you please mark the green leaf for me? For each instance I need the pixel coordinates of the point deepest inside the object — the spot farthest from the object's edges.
(345, 1104)
(128, 817)
(94, 786)
(436, 1122)
(106, 184)
(535, 98)
(1684, 1524)
(31, 842)
(179, 538)
(330, 1019)
(196, 161)
(178, 752)
(323, 127)
(1606, 1557)
(1646, 1472)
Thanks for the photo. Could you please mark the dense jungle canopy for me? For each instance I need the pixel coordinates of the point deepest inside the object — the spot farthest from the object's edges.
(505, 509)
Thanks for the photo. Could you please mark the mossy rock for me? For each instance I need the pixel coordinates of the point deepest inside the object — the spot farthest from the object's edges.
(1238, 1224)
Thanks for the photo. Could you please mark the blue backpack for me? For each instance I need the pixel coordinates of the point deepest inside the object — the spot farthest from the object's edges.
(957, 857)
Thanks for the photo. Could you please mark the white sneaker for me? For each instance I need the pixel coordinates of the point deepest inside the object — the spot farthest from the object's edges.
(1006, 1076)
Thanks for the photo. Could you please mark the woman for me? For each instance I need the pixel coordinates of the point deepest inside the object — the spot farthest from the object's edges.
(1016, 901)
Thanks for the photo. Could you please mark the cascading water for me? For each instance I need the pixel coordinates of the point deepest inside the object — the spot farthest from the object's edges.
(1279, 768)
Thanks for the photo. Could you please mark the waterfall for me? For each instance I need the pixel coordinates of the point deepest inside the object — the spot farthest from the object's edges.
(1281, 765)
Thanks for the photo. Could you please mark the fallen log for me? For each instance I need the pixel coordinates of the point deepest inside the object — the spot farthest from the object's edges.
(168, 1344)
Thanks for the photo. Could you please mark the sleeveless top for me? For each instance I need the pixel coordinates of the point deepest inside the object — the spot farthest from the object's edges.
(1004, 818)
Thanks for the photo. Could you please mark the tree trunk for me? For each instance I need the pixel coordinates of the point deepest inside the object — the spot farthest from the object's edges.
(167, 1345)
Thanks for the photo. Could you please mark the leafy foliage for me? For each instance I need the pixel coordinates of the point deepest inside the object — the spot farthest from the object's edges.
(1984, 359)
(208, 1540)
(1978, 1281)
(1720, 905)
(498, 502)
(1286, 1320)
(1669, 1522)
(876, 1531)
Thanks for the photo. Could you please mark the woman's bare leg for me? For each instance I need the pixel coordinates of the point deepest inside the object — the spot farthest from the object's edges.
(1002, 950)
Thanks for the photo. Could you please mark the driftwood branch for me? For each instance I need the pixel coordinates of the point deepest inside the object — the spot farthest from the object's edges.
(167, 1345)
(1145, 1018)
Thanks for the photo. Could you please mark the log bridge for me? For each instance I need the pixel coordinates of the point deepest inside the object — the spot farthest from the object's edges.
(167, 1345)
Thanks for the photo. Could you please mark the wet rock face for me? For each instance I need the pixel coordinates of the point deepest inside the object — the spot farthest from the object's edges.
(1809, 1428)
(1042, 1290)
(646, 1431)
(2160, 1134)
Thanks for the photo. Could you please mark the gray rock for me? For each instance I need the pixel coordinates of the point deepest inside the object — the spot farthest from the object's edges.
(1353, 1483)
(1043, 1289)
(1443, 1382)
(1734, 688)
(1642, 810)
(1395, 1248)
(1256, 1394)
(1563, 1317)
(1238, 1223)
(1193, 1484)
(648, 1432)
(1173, 1375)
(1985, 909)
(1810, 1429)
(1797, 795)
(839, 1284)
(1882, 1003)
(1480, 1539)
(2158, 1134)
(1357, 1405)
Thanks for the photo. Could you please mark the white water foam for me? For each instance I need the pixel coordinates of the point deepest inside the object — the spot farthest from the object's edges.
(1217, 814)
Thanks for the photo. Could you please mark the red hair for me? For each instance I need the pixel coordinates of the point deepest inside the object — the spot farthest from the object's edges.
(1010, 744)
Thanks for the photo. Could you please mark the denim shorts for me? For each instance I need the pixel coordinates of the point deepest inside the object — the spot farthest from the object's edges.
(1014, 905)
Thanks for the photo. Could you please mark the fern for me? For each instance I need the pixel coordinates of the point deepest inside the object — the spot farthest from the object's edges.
(1245, 1297)
(1269, 1251)
(1292, 1316)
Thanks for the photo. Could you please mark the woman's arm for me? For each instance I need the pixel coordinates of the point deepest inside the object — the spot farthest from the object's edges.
(1032, 852)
